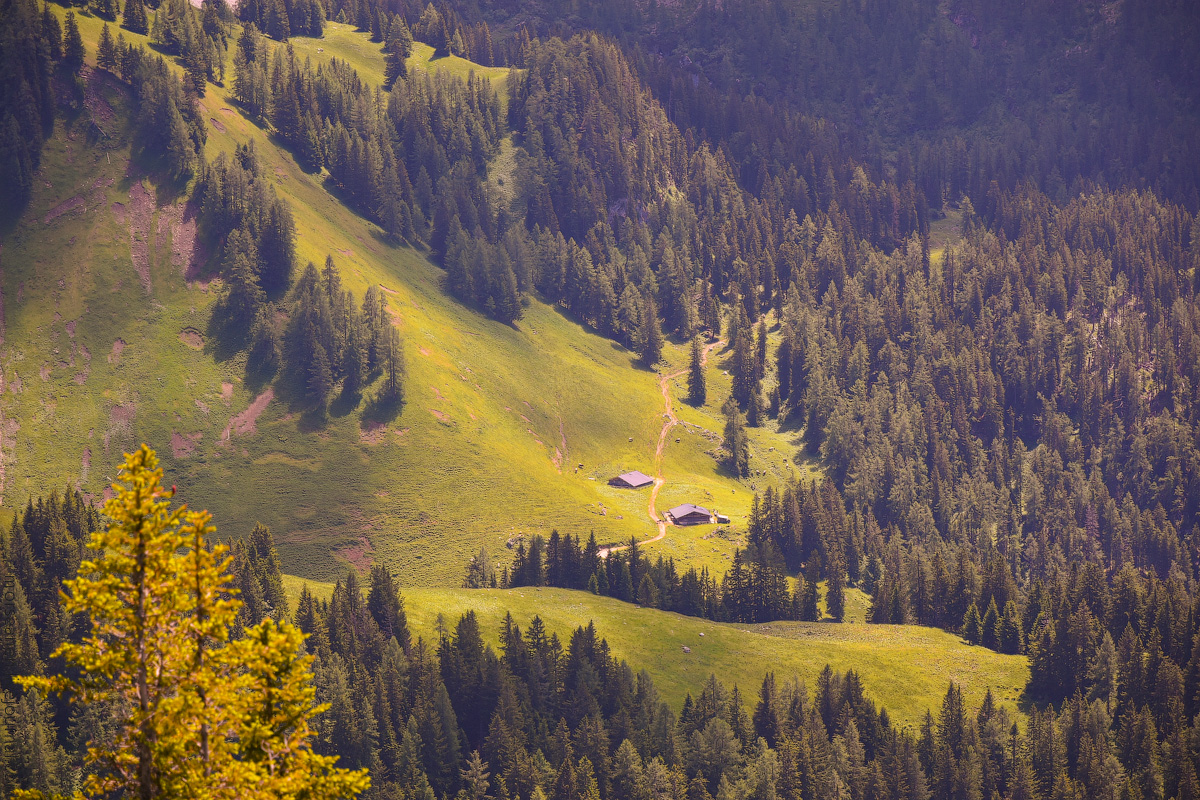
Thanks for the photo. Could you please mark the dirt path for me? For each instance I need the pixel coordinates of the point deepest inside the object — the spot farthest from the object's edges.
(664, 383)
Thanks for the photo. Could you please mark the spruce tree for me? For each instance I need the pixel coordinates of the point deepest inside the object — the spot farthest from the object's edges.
(193, 713)
(835, 590)
(106, 51)
(810, 611)
(697, 391)
(989, 631)
(971, 627)
(651, 336)
(737, 444)
(51, 33)
(134, 17)
(392, 390)
(73, 50)
(397, 50)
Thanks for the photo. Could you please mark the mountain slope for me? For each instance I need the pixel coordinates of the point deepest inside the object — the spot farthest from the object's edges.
(106, 345)
(905, 668)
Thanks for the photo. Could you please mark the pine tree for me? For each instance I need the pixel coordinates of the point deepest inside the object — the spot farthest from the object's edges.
(737, 445)
(697, 391)
(835, 590)
(106, 51)
(181, 154)
(650, 336)
(971, 626)
(73, 51)
(397, 50)
(392, 390)
(809, 609)
(194, 712)
(744, 378)
(1009, 630)
(134, 17)
(989, 630)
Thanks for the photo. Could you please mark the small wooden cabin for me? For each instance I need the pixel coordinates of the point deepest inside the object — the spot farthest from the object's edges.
(690, 514)
(631, 480)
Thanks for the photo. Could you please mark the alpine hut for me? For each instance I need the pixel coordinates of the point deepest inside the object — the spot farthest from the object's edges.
(631, 480)
(689, 514)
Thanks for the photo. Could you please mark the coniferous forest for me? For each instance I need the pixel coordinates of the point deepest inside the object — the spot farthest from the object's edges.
(1006, 417)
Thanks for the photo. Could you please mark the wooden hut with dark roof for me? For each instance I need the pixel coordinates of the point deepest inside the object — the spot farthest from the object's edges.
(690, 514)
(631, 480)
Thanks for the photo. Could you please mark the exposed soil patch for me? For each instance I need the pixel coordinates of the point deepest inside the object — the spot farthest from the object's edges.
(97, 197)
(229, 111)
(118, 212)
(216, 123)
(358, 554)
(141, 213)
(16, 384)
(101, 112)
(179, 221)
(120, 421)
(372, 433)
(81, 378)
(184, 446)
(192, 338)
(437, 394)
(347, 253)
(226, 391)
(442, 416)
(527, 419)
(45, 372)
(114, 357)
(422, 351)
(85, 466)
(70, 326)
(8, 447)
(62, 208)
(245, 422)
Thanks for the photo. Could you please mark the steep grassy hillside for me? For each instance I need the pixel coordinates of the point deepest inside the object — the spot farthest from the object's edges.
(905, 668)
(106, 312)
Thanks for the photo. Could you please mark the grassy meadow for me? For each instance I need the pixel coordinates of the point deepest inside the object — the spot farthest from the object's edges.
(497, 418)
(905, 668)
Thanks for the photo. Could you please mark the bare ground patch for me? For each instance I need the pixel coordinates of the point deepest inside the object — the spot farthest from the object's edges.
(245, 422)
(192, 338)
(226, 391)
(184, 446)
(358, 554)
(216, 123)
(120, 421)
(62, 208)
(101, 112)
(372, 432)
(114, 356)
(141, 213)
(442, 416)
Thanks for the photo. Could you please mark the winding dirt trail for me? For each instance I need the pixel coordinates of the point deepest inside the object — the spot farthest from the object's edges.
(664, 383)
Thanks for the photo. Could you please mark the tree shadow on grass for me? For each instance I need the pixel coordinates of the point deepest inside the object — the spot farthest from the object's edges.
(224, 338)
(344, 404)
(380, 410)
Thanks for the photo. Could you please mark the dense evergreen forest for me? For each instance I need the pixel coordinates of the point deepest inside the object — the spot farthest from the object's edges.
(1009, 427)
(553, 719)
